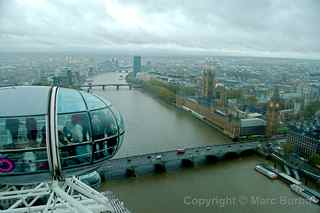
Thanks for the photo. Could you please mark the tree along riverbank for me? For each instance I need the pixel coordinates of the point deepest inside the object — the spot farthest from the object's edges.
(163, 91)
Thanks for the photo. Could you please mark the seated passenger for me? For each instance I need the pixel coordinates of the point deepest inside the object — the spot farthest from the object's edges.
(6, 139)
(29, 159)
(76, 130)
(65, 138)
(111, 144)
(32, 131)
(98, 127)
(111, 130)
(111, 127)
(98, 132)
(67, 131)
(84, 119)
(83, 152)
(43, 137)
(12, 125)
(62, 139)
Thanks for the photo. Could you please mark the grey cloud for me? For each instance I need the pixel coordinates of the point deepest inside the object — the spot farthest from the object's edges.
(243, 26)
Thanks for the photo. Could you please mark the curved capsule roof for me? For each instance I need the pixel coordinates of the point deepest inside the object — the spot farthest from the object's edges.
(13, 98)
(54, 132)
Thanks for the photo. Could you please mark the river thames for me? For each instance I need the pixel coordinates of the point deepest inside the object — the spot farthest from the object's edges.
(227, 186)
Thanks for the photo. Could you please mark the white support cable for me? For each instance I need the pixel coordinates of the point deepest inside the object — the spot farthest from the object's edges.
(68, 196)
(88, 191)
(49, 203)
(20, 194)
(85, 189)
(69, 199)
(22, 190)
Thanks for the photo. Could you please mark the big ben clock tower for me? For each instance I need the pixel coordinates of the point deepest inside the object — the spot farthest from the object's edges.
(273, 114)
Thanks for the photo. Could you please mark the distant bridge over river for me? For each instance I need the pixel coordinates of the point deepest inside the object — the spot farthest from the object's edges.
(104, 86)
(91, 86)
(132, 166)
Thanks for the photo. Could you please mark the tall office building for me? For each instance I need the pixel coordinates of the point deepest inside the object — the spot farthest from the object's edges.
(273, 114)
(136, 65)
(69, 76)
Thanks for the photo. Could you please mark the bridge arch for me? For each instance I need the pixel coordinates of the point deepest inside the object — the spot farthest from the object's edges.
(130, 172)
(159, 168)
(212, 159)
(187, 163)
(247, 152)
(230, 155)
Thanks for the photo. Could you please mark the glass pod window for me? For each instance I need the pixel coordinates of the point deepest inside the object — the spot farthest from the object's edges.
(74, 135)
(74, 130)
(105, 133)
(93, 102)
(69, 101)
(87, 128)
(23, 144)
(121, 126)
(119, 118)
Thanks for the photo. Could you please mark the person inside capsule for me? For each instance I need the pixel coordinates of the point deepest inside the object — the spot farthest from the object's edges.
(22, 133)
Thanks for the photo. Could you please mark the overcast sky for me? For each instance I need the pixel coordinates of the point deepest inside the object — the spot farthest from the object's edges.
(289, 28)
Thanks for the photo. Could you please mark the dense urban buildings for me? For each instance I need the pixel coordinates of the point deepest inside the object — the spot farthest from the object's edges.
(304, 145)
(231, 94)
(231, 88)
(228, 89)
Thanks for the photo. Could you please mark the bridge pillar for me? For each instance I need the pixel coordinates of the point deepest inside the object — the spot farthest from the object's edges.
(187, 163)
(211, 159)
(130, 172)
(118, 87)
(230, 155)
(159, 168)
(103, 87)
(247, 152)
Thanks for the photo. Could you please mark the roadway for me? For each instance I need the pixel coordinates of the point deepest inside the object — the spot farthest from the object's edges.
(191, 154)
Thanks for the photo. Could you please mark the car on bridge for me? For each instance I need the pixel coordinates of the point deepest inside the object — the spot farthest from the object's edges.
(180, 151)
(156, 158)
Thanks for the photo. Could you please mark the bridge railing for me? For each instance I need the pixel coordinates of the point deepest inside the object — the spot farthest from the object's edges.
(228, 145)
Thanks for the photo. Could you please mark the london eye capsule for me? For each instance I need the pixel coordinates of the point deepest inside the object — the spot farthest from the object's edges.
(53, 132)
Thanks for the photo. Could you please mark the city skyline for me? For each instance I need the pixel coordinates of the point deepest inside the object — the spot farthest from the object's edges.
(252, 28)
(159, 106)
